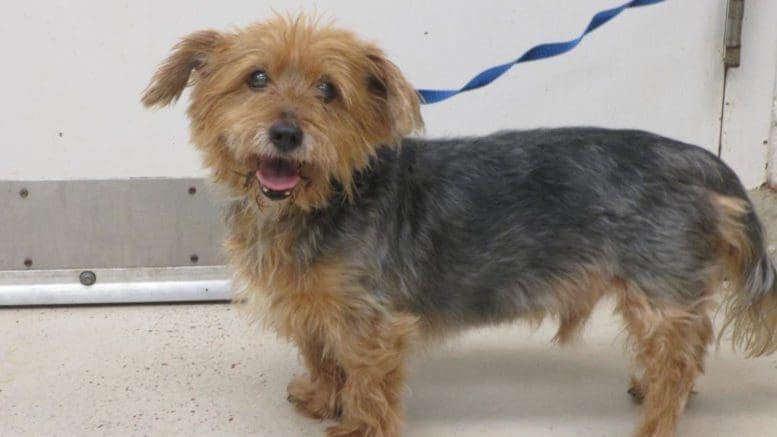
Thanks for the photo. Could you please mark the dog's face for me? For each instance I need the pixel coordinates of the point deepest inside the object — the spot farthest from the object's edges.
(283, 107)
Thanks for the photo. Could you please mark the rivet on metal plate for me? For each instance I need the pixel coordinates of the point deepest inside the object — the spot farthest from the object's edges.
(87, 277)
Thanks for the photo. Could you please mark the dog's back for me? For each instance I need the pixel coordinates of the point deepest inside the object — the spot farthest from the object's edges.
(488, 228)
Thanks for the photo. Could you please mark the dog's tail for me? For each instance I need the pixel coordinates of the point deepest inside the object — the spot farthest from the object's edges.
(751, 300)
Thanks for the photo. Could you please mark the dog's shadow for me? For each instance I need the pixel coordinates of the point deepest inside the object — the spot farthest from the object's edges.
(486, 384)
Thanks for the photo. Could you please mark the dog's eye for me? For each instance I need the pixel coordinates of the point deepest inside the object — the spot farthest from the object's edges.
(258, 80)
(328, 91)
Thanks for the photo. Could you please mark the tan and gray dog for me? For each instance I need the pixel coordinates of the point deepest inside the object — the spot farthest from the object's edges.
(358, 243)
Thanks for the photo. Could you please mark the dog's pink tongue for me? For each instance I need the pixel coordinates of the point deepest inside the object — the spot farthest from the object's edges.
(278, 174)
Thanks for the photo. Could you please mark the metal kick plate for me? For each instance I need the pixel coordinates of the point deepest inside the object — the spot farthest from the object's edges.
(138, 285)
(108, 224)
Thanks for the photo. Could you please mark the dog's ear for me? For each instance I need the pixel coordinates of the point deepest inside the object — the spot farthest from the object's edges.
(401, 100)
(192, 53)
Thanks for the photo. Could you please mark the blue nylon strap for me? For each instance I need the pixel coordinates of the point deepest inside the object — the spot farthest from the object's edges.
(541, 51)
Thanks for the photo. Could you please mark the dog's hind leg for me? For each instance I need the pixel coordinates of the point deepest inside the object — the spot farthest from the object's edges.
(670, 341)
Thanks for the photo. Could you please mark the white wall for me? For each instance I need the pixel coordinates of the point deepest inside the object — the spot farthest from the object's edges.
(748, 117)
(73, 71)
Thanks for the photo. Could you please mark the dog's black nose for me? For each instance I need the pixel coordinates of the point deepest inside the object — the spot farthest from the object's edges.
(286, 136)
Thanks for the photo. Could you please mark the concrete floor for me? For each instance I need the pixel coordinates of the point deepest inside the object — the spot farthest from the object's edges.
(203, 370)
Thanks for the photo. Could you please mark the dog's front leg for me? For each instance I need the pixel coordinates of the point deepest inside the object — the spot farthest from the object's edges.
(317, 393)
(373, 358)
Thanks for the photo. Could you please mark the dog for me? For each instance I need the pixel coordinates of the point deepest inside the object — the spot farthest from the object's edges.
(360, 243)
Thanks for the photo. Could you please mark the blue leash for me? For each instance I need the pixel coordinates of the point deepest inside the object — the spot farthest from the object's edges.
(541, 51)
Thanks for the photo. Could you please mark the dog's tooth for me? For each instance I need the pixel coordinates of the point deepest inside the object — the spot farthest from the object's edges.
(265, 189)
(287, 193)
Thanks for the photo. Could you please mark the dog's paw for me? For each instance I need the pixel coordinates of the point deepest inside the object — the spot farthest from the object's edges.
(344, 430)
(341, 431)
(356, 429)
(312, 400)
(637, 390)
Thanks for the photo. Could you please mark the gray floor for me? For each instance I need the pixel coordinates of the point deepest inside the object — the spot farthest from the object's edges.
(203, 370)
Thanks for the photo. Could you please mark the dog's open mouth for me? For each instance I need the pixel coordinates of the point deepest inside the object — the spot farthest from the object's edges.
(278, 177)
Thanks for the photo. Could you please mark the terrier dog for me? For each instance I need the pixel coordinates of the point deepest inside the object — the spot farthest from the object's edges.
(362, 243)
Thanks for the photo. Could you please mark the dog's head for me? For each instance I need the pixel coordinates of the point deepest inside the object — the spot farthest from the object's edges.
(282, 108)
